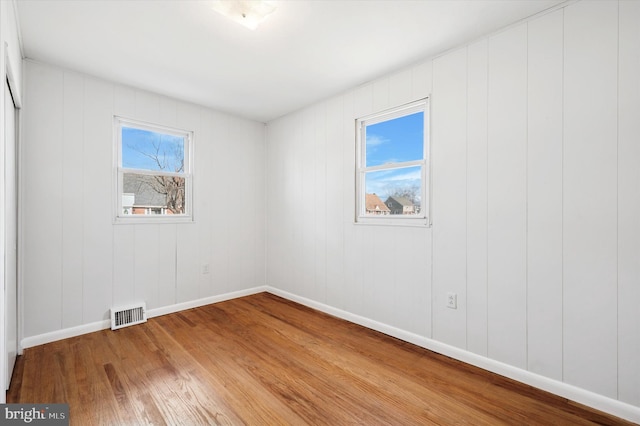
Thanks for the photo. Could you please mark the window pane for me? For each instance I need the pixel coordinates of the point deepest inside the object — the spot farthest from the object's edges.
(397, 140)
(142, 194)
(148, 150)
(394, 191)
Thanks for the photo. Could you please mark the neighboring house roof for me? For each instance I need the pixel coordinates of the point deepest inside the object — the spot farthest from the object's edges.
(373, 203)
(142, 188)
(403, 201)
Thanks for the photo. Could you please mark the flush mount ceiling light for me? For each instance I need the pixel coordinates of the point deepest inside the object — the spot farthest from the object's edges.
(246, 12)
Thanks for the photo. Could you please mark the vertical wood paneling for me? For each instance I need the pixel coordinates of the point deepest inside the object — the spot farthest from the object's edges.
(275, 170)
(124, 101)
(239, 262)
(253, 236)
(363, 102)
(187, 264)
(147, 107)
(507, 112)
(72, 199)
(238, 238)
(422, 79)
(167, 111)
(477, 61)
(400, 90)
(629, 203)
(257, 145)
(378, 278)
(544, 191)
(124, 264)
(320, 202)
(449, 163)
(98, 198)
(204, 174)
(385, 281)
(221, 169)
(590, 202)
(42, 231)
(167, 265)
(381, 94)
(307, 271)
(335, 281)
(411, 296)
(147, 248)
(294, 186)
(365, 251)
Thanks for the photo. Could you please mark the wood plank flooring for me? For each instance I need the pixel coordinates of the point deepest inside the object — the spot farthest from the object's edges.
(263, 360)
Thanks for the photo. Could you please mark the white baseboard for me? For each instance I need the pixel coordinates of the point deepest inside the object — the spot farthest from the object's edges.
(205, 301)
(582, 396)
(65, 333)
(53, 336)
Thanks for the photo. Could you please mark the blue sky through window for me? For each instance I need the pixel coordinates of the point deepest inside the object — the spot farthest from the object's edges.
(148, 150)
(395, 141)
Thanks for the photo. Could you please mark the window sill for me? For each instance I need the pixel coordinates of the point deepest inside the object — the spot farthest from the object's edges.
(420, 222)
(148, 219)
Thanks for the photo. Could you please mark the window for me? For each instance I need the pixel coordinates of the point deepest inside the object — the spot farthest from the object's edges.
(393, 169)
(153, 172)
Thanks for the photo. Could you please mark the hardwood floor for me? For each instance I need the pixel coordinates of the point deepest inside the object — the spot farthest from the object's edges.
(263, 360)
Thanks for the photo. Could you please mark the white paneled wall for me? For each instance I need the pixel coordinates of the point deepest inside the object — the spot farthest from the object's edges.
(590, 226)
(77, 263)
(507, 196)
(476, 194)
(535, 202)
(628, 203)
(544, 195)
(449, 195)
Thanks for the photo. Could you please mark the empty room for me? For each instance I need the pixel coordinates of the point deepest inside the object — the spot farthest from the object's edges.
(398, 212)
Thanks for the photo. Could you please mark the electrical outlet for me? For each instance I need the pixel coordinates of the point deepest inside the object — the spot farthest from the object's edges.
(452, 300)
(205, 268)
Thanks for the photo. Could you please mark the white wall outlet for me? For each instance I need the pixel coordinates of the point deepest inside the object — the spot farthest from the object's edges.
(452, 300)
(205, 268)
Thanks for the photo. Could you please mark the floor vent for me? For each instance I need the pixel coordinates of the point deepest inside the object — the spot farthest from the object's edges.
(128, 315)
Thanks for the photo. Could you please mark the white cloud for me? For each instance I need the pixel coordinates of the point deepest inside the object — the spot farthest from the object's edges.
(375, 140)
(412, 175)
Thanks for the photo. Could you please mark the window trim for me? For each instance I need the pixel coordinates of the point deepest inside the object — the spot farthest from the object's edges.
(424, 220)
(119, 218)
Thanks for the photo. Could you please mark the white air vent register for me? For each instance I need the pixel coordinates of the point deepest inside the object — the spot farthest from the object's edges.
(128, 315)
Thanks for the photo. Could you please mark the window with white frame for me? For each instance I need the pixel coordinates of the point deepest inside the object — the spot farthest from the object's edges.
(393, 166)
(153, 172)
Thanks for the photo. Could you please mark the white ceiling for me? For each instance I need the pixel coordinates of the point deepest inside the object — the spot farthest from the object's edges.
(305, 51)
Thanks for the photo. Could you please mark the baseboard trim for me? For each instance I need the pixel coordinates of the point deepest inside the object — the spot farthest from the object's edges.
(66, 333)
(573, 393)
(156, 312)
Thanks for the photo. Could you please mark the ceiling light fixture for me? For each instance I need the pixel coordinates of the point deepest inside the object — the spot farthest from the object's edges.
(249, 13)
